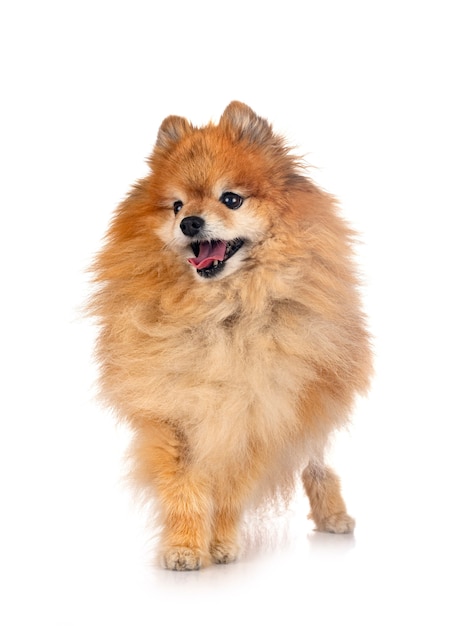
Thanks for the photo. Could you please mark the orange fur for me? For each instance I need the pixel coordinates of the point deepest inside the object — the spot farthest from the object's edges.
(233, 383)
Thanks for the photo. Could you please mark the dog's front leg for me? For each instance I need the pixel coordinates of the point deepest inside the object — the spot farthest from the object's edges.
(183, 493)
(187, 513)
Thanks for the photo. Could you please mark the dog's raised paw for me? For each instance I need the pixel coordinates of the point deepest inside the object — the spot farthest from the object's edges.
(339, 523)
(181, 558)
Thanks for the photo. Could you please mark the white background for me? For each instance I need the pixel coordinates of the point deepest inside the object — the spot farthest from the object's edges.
(365, 90)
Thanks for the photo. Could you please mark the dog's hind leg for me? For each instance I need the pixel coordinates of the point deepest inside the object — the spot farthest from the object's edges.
(328, 509)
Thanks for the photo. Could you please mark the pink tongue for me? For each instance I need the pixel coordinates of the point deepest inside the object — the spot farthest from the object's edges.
(209, 251)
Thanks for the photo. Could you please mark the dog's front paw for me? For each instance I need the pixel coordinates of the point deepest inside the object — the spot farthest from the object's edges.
(224, 553)
(339, 523)
(181, 558)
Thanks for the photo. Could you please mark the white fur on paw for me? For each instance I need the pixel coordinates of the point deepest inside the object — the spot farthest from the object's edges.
(181, 559)
(339, 523)
(222, 553)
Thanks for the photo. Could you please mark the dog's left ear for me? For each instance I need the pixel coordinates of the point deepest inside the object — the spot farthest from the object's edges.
(172, 130)
(245, 124)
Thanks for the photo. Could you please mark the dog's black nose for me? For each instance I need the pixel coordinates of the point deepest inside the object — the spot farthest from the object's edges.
(192, 225)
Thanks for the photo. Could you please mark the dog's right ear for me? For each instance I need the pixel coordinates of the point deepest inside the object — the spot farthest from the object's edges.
(244, 123)
(172, 130)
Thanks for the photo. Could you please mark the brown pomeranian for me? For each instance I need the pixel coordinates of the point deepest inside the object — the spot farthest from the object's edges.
(232, 339)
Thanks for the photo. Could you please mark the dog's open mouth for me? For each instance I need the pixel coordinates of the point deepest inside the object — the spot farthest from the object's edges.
(211, 256)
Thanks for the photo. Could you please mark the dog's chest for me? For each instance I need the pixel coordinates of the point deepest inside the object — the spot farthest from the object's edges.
(236, 364)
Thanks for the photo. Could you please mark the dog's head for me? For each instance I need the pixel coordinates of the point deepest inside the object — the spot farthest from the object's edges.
(219, 189)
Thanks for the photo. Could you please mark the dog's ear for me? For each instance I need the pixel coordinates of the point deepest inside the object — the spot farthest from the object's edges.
(172, 130)
(245, 124)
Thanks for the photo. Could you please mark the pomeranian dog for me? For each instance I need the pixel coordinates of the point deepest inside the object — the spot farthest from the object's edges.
(231, 338)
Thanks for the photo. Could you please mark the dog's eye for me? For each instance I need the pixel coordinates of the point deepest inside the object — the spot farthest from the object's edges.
(231, 200)
(177, 206)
